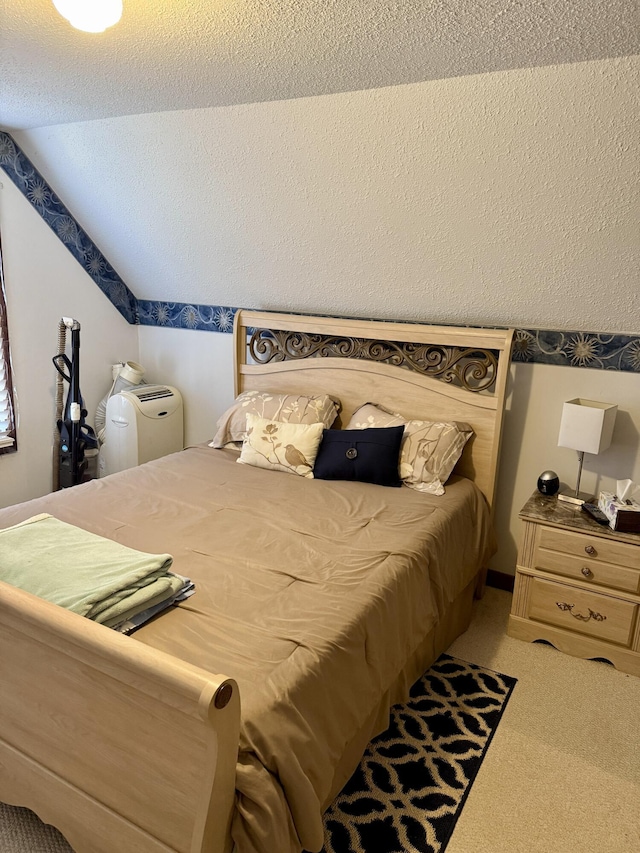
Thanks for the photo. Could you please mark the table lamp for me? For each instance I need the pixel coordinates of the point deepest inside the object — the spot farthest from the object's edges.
(586, 426)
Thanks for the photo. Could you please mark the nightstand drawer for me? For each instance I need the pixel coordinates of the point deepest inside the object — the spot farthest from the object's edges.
(582, 611)
(594, 547)
(588, 570)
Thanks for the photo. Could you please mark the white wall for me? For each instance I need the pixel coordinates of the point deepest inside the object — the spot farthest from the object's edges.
(44, 282)
(200, 365)
(509, 198)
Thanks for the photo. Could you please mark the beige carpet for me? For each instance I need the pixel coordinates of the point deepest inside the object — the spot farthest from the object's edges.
(562, 774)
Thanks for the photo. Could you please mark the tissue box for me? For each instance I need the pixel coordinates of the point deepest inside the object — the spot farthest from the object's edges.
(622, 516)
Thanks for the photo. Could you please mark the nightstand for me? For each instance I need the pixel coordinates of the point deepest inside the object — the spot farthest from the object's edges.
(577, 585)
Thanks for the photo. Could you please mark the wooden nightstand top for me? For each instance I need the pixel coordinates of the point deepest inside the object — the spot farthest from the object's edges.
(549, 510)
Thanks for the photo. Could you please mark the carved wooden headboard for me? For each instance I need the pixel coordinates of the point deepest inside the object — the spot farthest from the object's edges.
(436, 373)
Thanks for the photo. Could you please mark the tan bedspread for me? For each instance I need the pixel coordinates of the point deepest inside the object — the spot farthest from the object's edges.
(311, 594)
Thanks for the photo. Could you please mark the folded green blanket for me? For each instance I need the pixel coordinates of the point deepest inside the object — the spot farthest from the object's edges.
(85, 573)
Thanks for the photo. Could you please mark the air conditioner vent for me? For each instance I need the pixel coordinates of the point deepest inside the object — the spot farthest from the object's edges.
(153, 392)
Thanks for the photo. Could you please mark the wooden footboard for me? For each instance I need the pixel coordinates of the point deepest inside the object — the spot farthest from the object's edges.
(119, 746)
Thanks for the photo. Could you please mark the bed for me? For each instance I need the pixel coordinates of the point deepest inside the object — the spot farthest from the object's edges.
(232, 720)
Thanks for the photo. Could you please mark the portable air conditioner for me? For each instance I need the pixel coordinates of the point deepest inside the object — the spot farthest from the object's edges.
(141, 424)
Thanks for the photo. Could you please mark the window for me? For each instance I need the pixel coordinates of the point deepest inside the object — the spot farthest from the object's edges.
(7, 419)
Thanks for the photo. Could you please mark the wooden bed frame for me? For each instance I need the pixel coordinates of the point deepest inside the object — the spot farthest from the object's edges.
(125, 748)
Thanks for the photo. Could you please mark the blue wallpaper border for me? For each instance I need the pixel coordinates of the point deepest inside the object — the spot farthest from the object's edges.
(183, 315)
(44, 200)
(578, 349)
(597, 350)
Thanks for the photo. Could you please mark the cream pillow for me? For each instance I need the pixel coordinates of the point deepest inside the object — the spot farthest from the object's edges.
(429, 450)
(281, 447)
(288, 408)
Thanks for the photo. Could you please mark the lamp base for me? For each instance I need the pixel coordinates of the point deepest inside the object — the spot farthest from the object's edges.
(576, 499)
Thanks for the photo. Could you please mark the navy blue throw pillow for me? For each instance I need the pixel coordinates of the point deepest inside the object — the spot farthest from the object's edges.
(367, 455)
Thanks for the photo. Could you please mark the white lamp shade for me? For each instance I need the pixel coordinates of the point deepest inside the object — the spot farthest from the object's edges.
(587, 425)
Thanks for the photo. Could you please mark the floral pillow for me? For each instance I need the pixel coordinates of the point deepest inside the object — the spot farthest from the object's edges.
(281, 447)
(287, 408)
(429, 451)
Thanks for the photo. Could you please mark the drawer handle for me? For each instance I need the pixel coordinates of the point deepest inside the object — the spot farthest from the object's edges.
(586, 571)
(597, 617)
(590, 550)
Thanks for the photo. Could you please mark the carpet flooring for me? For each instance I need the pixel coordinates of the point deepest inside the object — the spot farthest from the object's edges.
(22, 832)
(563, 771)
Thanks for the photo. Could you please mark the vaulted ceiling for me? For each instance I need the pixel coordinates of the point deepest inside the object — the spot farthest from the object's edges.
(184, 54)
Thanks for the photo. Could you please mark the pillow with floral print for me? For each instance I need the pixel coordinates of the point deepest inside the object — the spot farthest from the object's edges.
(429, 450)
(281, 447)
(286, 408)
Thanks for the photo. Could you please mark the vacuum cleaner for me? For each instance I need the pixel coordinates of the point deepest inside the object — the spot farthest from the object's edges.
(75, 435)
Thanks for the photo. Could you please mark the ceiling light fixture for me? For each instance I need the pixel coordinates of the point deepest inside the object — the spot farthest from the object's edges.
(90, 16)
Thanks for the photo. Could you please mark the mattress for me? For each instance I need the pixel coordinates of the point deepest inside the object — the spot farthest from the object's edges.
(311, 594)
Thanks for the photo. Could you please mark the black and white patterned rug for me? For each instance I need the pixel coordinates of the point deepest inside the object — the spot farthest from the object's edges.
(411, 785)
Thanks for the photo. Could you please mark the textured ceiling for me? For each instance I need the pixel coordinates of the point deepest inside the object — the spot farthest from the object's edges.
(182, 54)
